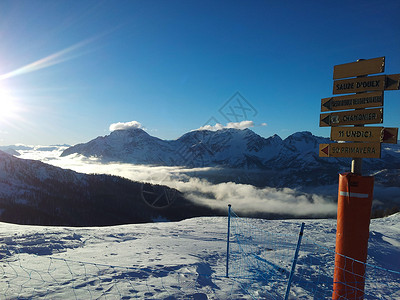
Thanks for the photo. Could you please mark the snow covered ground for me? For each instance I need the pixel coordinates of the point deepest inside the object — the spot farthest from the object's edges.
(178, 260)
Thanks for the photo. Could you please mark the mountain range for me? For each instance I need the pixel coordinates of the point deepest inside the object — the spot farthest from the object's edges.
(32, 192)
(293, 161)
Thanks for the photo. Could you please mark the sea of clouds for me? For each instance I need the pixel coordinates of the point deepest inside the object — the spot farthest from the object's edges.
(244, 198)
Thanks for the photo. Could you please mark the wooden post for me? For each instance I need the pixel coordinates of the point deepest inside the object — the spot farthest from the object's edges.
(356, 165)
(356, 162)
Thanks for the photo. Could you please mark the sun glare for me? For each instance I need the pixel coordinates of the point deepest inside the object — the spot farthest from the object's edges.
(8, 105)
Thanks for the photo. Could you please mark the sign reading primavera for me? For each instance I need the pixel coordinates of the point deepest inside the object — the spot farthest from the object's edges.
(363, 150)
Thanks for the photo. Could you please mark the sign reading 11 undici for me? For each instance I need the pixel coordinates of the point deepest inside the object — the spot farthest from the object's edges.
(363, 107)
(365, 134)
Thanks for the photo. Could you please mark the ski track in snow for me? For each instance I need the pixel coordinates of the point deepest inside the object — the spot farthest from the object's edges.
(161, 260)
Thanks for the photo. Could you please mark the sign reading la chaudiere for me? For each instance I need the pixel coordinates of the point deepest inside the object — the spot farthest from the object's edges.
(363, 100)
(364, 84)
(353, 117)
(357, 150)
(359, 68)
(365, 134)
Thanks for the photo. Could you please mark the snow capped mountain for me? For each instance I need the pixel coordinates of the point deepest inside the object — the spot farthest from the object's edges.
(133, 145)
(228, 147)
(295, 158)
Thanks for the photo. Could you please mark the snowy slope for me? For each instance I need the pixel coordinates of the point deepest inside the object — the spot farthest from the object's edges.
(176, 260)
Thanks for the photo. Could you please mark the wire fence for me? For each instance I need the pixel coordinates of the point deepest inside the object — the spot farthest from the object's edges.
(261, 262)
(30, 276)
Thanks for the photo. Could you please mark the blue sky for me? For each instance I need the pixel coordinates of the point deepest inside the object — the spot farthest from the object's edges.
(70, 69)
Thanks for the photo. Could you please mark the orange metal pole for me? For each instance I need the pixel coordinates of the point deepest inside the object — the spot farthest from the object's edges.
(353, 218)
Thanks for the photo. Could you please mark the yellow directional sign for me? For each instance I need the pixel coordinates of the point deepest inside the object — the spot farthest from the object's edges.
(353, 117)
(355, 150)
(363, 100)
(363, 84)
(359, 107)
(365, 134)
(359, 68)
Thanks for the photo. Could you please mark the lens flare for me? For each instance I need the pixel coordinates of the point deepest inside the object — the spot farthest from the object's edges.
(8, 105)
(47, 61)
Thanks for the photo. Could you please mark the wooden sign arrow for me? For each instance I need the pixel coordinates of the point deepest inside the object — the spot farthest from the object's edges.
(364, 84)
(359, 68)
(365, 134)
(355, 150)
(389, 135)
(324, 150)
(363, 100)
(392, 82)
(353, 117)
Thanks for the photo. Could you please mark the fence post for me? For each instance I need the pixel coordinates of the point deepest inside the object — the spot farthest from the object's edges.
(227, 240)
(296, 255)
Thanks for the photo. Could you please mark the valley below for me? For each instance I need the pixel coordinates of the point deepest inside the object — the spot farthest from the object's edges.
(50, 185)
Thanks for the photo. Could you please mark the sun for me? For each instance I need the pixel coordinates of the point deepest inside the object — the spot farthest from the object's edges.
(8, 105)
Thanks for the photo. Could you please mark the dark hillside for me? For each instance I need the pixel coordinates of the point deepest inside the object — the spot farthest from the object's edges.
(32, 192)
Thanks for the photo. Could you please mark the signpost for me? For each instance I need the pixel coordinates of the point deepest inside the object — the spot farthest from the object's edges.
(357, 142)
(354, 117)
(364, 107)
(359, 68)
(365, 134)
(364, 100)
(363, 84)
(361, 150)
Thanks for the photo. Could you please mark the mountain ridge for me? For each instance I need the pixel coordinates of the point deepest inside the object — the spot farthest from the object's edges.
(213, 147)
(231, 148)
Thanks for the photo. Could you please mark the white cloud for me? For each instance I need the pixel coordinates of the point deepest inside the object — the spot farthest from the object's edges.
(247, 198)
(125, 126)
(236, 125)
(240, 125)
(216, 127)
